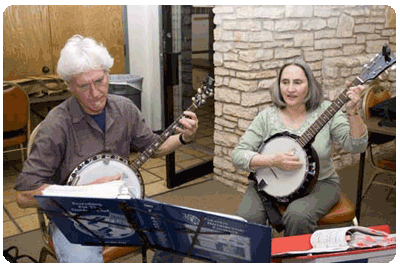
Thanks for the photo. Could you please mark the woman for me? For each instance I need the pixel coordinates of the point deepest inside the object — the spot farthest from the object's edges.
(297, 102)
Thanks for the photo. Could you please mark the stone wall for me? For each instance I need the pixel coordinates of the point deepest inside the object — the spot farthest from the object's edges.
(252, 42)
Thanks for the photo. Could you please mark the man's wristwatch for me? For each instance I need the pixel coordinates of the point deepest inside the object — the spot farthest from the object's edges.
(182, 141)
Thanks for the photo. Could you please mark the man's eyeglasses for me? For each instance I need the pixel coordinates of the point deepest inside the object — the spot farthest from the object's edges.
(97, 83)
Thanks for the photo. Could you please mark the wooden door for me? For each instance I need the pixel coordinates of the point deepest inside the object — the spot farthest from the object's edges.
(33, 36)
(26, 41)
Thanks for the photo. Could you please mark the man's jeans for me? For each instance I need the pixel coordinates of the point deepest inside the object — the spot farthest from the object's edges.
(73, 253)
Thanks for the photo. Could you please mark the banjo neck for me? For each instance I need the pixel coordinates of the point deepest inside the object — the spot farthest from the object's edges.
(370, 71)
(321, 121)
(205, 91)
(146, 154)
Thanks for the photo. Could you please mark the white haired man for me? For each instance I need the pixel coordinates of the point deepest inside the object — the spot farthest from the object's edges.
(88, 123)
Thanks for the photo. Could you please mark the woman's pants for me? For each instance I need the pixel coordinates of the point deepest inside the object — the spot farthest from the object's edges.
(302, 215)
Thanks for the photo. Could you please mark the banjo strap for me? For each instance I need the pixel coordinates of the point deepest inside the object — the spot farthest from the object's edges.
(273, 214)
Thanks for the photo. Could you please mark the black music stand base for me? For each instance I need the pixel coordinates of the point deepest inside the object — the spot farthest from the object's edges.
(128, 211)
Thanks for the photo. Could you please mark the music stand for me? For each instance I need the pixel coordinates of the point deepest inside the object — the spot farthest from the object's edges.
(143, 222)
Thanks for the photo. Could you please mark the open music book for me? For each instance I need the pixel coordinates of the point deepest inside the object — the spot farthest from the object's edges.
(112, 189)
(112, 220)
(341, 239)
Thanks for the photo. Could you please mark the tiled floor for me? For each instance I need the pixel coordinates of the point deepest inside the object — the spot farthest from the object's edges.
(17, 220)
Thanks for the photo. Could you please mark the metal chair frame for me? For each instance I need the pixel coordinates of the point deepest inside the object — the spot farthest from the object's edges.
(373, 96)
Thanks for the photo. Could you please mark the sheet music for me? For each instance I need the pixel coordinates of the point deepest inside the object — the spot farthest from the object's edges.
(113, 189)
(341, 239)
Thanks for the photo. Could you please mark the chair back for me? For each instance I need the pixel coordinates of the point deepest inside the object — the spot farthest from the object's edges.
(15, 109)
(31, 138)
(41, 216)
(375, 94)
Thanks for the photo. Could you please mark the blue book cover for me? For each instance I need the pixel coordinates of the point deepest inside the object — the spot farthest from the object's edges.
(197, 233)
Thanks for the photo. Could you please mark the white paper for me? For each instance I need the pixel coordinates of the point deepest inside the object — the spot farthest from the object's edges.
(111, 189)
(333, 240)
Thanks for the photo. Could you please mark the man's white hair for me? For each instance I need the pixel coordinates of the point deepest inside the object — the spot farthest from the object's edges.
(81, 54)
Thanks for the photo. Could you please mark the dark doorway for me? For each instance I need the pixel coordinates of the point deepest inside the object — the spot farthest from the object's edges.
(187, 36)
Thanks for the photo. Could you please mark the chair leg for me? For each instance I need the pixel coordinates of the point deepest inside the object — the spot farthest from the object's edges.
(355, 221)
(43, 254)
(22, 152)
(370, 183)
(390, 191)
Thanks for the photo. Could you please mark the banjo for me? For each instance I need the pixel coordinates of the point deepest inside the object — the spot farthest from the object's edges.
(105, 164)
(284, 186)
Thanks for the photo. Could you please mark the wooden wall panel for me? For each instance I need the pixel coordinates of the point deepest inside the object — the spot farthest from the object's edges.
(103, 23)
(26, 42)
(65, 21)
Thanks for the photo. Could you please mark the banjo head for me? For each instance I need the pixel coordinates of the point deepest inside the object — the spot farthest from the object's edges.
(286, 185)
(104, 165)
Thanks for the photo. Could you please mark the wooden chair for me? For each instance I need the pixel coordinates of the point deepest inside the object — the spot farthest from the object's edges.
(376, 94)
(342, 212)
(109, 253)
(15, 119)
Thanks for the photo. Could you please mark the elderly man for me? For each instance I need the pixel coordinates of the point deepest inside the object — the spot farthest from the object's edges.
(88, 123)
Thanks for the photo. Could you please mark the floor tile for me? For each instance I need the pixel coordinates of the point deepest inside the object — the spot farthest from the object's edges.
(153, 162)
(155, 188)
(189, 163)
(207, 157)
(17, 212)
(9, 181)
(28, 223)
(158, 171)
(194, 152)
(5, 216)
(148, 177)
(8, 196)
(181, 156)
(9, 229)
